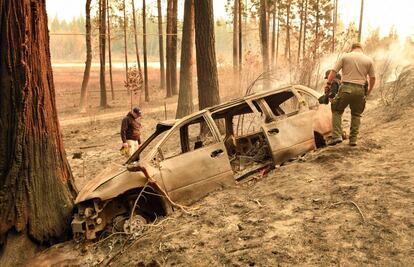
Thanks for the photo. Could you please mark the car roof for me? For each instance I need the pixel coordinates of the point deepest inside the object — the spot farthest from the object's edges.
(237, 101)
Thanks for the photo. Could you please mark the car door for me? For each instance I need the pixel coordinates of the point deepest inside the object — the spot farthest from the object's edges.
(290, 132)
(194, 163)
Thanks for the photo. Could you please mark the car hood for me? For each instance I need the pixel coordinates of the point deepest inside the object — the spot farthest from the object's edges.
(111, 182)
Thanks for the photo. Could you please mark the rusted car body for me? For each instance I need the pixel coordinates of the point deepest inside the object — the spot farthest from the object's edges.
(207, 150)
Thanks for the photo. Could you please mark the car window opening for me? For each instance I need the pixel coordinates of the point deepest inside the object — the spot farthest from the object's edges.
(243, 137)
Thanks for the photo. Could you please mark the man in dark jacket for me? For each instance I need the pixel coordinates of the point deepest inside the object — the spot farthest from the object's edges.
(131, 131)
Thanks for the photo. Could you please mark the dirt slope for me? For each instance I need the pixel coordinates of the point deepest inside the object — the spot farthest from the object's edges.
(336, 206)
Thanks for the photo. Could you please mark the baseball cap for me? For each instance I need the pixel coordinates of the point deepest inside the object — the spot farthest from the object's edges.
(136, 110)
(356, 45)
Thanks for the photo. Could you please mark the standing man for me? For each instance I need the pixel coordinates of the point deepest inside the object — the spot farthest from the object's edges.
(131, 131)
(356, 67)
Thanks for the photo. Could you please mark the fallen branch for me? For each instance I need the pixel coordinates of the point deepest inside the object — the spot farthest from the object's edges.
(354, 204)
(92, 146)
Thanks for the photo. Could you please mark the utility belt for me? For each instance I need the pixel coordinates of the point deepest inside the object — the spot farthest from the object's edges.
(353, 84)
(362, 86)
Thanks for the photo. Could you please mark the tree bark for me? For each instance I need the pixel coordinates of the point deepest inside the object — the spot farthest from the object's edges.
(264, 35)
(36, 184)
(235, 38)
(125, 42)
(185, 96)
(88, 62)
(161, 46)
(171, 48)
(109, 51)
(102, 41)
(144, 41)
(207, 79)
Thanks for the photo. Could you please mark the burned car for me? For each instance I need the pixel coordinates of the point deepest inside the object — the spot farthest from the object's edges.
(207, 150)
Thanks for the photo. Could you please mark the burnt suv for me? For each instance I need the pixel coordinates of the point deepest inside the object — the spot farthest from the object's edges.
(204, 151)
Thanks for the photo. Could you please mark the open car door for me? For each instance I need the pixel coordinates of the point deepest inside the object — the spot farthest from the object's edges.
(193, 161)
(290, 133)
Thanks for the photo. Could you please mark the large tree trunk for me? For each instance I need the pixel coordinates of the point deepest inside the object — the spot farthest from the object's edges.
(207, 79)
(36, 184)
(235, 39)
(109, 51)
(102, 41)
(264, 35)
(125, 42)
(185, 96)
(171, 48)
(88, 62)
(144, 40)
(161, 46)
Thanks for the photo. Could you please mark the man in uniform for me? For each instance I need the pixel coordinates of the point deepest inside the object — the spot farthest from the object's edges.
(131, 131)
(356, 67)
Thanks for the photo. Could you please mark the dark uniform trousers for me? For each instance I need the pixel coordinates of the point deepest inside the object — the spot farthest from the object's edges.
(354, 96)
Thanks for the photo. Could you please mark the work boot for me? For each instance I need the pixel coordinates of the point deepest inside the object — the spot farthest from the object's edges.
(352, 143)
(334, 142)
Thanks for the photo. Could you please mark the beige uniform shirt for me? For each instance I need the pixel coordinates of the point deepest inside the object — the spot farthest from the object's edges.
(355, 67)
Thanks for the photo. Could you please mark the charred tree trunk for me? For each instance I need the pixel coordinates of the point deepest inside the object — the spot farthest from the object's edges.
(240, 36)
(235, 38)
(264, 38)
(144, 41)
(185, 96)
(36, 184)
(300, 31)
(88, 62)
(287, 46)
(125, 42)
(316, 30)
(109, 51)
(102, 41)
(136, 37)
(171, 48)
(272, 63)
(335, 22)
(161, 46)
(305, 21)
(277, 36)
(207, 79)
